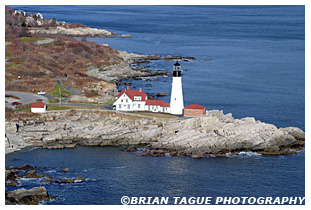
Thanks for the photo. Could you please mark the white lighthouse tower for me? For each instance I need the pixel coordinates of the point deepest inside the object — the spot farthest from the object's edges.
(177, 100)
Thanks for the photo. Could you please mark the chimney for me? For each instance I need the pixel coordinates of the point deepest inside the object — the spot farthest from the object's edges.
(128, 87)
(139, 89)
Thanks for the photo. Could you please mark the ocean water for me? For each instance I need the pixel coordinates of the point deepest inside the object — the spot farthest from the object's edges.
(111, 174)
(256, 69)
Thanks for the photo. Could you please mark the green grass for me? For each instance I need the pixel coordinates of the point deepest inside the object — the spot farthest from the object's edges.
(8, 65)
(50, 107)
(31, 39)
(62, 91)
(22, 109)
(53, 100)
(8, 54)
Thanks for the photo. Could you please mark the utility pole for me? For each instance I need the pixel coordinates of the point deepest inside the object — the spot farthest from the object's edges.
(60, 97)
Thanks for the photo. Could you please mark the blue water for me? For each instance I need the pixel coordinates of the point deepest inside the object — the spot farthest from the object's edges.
(111, 174)
(257, 69)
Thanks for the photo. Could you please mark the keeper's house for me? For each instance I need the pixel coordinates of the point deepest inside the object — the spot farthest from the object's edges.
(38, 107)
(137, 100)
(130, 100)
(194, 110)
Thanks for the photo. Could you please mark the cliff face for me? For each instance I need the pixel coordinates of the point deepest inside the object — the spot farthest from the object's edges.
(216, 134)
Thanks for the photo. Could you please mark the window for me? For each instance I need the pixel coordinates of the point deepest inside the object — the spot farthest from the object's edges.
(128, 106)
(126, 100)
(197, 112)
(138, 106)
(121, 100)
(189, 111)
(119, 106)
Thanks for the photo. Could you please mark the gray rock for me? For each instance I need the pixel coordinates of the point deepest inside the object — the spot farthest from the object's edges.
(28, 197)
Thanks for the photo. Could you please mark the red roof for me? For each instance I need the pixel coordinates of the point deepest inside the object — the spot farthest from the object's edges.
(157, 103)
(131, 93)
(154, 102)
(37, 105)
(166, 105)
(194, 106)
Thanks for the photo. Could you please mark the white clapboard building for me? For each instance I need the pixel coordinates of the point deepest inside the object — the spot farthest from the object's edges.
(137, 100)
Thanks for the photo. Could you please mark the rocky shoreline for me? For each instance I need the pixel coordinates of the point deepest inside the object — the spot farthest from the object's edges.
(34, 195)
(75, 32)
(216, 134)
(130, 67)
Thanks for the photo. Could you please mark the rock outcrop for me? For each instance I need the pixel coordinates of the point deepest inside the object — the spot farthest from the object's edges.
(27, 197)
(214, 134)
(79, 31)
(32, 196)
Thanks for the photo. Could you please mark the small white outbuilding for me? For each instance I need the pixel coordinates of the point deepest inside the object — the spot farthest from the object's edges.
(38, 107)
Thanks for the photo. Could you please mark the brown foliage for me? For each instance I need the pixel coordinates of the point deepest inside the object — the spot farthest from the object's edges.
(63, 58)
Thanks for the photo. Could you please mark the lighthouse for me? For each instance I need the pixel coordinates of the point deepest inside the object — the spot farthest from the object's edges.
(177, 100)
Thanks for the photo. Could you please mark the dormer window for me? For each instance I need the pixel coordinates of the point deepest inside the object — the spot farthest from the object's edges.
(137, 98)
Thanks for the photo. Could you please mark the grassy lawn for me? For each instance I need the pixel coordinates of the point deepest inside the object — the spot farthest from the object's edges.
(62, 91)
(53, 100)
(13, 64)
(158, 115)
(8, 54)
(22, 109)
(31, 39)
(64, 107)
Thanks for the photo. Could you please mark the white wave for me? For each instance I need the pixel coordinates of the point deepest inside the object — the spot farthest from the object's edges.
(249, 153)
(51, 171)
(29, 181)
(244, 155)
(33, 148)
(117, 167)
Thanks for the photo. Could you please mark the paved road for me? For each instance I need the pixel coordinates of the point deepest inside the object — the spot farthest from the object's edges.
(25, 98)
(73, 91)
